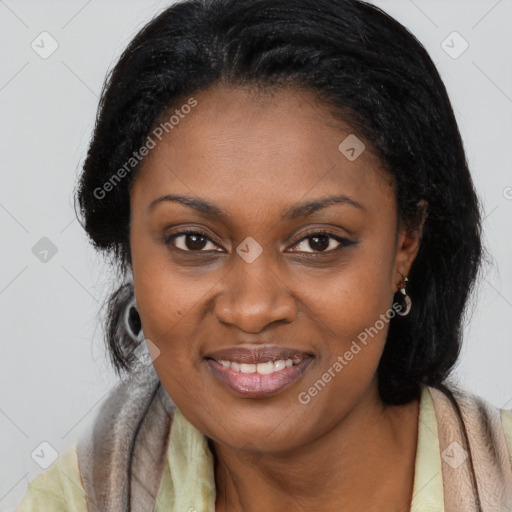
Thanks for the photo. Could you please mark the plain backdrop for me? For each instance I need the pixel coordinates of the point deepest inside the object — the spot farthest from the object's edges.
(53, 367)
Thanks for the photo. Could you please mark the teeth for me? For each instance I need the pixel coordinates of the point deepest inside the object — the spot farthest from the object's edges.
(247, 368)
(265, 368)
(262, 368)
(279, 365)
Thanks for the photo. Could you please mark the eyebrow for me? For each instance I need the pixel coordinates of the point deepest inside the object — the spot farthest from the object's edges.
(299, 210)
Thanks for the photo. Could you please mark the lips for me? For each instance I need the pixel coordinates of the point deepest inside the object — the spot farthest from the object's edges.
(256, 355)
(260, 371)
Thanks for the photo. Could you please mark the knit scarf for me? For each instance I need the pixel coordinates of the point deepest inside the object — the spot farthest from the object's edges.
(121, 459)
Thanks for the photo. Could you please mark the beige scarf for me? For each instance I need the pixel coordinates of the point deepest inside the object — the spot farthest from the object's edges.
(122, 458)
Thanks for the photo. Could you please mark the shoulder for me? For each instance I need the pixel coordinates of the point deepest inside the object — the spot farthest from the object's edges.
(506, 420)
(59, 489)
(123, 455)
(493, 419)
(486, 423)
(137, 408)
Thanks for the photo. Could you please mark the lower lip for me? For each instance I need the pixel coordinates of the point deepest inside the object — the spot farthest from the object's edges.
(255, 385)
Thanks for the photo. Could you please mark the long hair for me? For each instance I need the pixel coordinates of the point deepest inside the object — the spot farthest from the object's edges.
(373, 74)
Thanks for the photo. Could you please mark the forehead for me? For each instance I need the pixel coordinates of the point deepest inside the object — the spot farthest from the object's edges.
(241, 146)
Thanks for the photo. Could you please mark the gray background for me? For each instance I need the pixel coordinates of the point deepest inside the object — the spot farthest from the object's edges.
(54, 372)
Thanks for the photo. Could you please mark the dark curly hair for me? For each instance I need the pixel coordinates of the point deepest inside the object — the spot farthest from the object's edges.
(373, 74)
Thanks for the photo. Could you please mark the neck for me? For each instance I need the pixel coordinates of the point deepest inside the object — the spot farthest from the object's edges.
(365, 462)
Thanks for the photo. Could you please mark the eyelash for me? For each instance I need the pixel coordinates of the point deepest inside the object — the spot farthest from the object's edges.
(344, 242)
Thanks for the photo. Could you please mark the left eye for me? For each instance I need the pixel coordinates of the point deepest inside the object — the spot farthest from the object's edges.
(321, 242)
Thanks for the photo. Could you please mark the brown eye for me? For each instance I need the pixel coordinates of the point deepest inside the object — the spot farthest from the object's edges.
(191, 241)
(322, 241)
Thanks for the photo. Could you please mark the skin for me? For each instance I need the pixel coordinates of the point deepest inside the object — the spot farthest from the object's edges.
(255, 155)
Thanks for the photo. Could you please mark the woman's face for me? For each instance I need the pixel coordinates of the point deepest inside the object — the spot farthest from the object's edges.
(294, 299)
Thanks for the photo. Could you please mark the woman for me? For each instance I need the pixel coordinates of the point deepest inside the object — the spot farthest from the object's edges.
(284, 189)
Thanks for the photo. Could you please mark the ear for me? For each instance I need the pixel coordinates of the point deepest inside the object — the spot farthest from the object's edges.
(408, 245)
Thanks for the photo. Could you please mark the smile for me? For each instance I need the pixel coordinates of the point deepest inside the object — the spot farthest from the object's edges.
(261, 368)
(260, 372)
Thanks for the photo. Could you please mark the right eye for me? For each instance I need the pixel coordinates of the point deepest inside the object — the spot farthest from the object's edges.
(190, 241)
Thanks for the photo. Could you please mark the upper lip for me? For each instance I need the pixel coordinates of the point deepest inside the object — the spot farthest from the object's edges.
(255, 355)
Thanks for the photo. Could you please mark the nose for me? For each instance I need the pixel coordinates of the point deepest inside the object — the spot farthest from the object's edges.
(253, 296)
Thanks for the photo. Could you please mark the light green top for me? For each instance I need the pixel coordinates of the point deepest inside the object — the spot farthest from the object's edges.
(188, 482)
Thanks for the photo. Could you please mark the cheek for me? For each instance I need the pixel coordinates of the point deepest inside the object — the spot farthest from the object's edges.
(165, 299)
(353, 298)
(170, 305)
(352, 312)
(168, 295)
